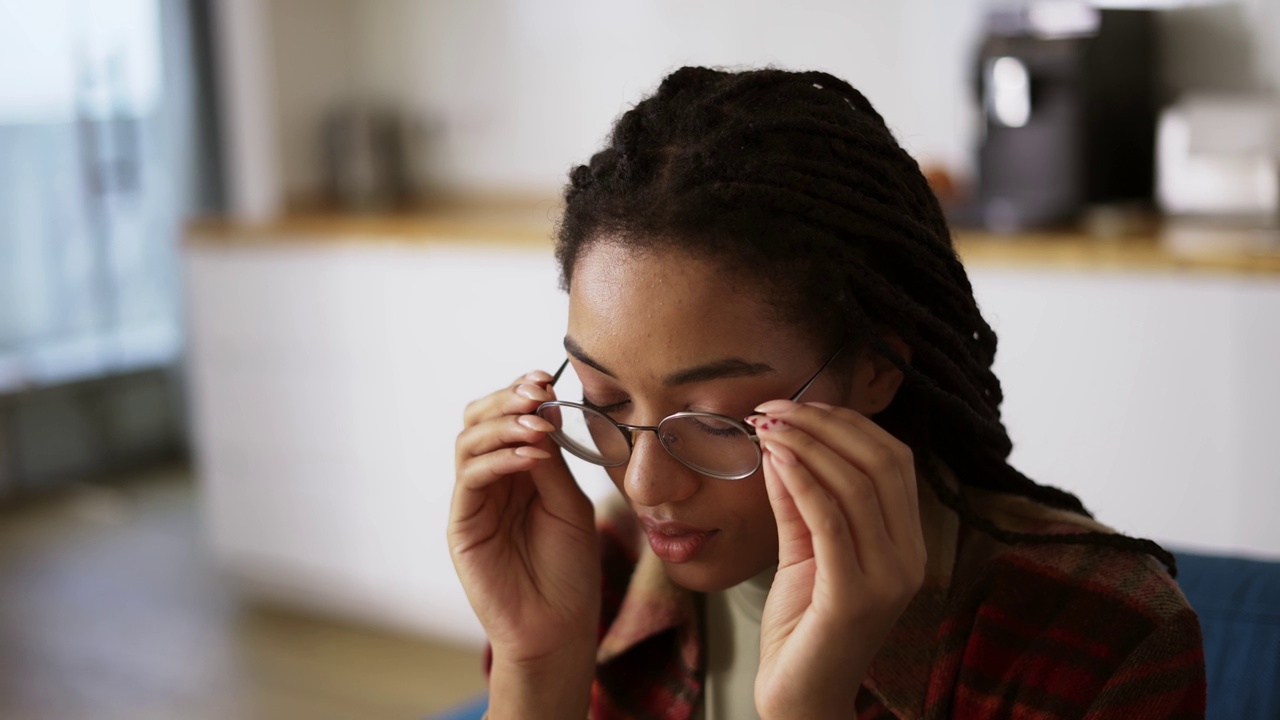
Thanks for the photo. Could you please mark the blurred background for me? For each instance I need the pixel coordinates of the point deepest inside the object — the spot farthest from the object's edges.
(256, 256)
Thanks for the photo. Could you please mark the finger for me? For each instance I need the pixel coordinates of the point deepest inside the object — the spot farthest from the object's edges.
(835, 449)
(478, 475)
(839, 440)
(520, 398)
(480, 472)
(794, 542)
(561, 494)
(903, 453)
(892, 451)
(832, 538)
(499, 432)
(856, 495)
(902, 512)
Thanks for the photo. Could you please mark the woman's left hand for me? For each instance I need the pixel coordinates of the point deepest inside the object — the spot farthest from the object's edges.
(851, 554)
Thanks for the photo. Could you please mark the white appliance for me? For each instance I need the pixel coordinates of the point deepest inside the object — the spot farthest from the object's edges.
(1220, 156)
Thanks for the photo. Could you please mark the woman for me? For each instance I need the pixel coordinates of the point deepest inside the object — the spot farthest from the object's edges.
(859, 546)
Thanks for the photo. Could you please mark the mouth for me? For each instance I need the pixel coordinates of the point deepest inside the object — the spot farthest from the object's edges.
(675, 542)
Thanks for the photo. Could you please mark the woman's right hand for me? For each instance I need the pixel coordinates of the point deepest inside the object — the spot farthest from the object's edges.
(522, 534)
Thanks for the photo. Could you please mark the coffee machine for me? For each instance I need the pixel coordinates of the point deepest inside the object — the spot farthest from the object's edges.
(1068, 98)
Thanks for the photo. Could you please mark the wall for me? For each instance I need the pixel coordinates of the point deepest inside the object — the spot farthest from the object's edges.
(522, 88)
(1146, 394)
(515, 91)
(316, 68)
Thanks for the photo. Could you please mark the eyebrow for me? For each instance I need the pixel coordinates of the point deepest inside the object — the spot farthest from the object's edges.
(717, 370)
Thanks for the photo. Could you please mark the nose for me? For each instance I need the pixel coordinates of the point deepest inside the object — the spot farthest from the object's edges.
(653, 477)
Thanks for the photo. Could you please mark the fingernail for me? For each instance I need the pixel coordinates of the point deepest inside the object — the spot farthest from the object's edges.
(538, 376)
(776, 407)
(533, 422)
(820, 405)
(780, 453)
(530, 391)
(763, 423)
(528, 451)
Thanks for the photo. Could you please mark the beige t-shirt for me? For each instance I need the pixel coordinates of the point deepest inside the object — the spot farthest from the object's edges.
(733, 648)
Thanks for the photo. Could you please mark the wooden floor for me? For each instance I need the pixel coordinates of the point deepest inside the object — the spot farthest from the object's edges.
(110, 610)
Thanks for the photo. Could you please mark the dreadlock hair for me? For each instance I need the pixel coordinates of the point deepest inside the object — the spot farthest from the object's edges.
(793, 181)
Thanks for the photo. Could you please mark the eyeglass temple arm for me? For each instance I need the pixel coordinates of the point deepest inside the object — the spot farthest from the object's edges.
(812, 380)
(565, 364)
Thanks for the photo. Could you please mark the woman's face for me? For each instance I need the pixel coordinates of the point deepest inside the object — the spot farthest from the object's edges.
(641, 319)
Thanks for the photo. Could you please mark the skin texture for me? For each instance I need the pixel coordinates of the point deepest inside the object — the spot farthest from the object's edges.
(834, 504)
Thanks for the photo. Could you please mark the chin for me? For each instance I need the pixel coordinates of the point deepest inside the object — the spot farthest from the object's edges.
(705, 576)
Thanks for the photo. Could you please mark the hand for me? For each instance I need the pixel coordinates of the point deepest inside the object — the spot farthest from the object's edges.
(851, 554)
(522, 534)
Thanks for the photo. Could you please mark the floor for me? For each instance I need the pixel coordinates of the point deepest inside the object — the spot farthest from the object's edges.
(110, 610)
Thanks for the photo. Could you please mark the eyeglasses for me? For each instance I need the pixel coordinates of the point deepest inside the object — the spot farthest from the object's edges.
(715, 445)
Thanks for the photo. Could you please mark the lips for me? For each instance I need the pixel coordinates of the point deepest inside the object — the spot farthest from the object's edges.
(675, 542)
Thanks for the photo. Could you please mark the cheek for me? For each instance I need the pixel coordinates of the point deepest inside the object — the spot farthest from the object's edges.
(754, 538)
(750, 497)
(616, 474)
(752, 505)
(742, 507)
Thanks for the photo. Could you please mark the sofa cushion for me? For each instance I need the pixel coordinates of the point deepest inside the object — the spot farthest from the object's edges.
(470, 710)
(1238, 602)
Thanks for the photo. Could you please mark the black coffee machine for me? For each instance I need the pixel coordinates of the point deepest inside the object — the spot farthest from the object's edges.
(1068, 98)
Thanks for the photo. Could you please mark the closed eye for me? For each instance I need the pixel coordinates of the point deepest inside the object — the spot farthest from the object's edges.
(606, 409)
(717, 428)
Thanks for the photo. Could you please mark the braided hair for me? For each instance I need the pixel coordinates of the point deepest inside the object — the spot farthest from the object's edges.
(794, 182)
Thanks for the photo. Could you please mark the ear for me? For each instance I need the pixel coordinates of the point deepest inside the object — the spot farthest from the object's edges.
(876, 379)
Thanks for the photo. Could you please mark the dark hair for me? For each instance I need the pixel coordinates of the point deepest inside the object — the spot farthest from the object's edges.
(793, 181)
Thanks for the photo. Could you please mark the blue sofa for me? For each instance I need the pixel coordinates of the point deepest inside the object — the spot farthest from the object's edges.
(471, 710)
(1238, 601)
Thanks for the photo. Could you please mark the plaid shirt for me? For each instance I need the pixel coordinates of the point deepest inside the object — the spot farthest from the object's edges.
(1031, 631)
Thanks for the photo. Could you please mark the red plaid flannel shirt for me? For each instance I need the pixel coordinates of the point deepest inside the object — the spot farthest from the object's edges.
(1032, 631)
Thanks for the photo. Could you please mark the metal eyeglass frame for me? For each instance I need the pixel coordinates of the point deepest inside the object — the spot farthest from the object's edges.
(629, 431)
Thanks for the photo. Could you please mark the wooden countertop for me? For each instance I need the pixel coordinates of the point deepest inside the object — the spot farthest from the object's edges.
(1201, 251)
(521, 224)
(531, 225)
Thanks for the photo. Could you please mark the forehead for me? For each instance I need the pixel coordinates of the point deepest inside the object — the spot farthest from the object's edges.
(654, 311)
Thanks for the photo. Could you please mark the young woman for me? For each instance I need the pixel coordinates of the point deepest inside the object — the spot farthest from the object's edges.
(787, 378)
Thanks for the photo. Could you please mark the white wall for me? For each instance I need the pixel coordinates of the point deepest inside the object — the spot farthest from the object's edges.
(1151, 396)
(519, 90)
(524, 88)
(316, 66)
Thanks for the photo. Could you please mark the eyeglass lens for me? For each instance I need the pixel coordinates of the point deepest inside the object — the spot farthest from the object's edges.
(706, 443)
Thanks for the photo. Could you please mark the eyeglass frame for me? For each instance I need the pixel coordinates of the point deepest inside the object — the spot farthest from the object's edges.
(629, 431)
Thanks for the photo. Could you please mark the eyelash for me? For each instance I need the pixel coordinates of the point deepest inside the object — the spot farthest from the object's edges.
(606, 409)
(615, 407)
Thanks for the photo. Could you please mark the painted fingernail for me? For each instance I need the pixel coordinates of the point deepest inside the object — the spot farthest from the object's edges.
(538, 376)
(820, 405)
(763, 422)
(780, 453)
(532, 392)
(527, 451)
(533, 422)
(776, 407)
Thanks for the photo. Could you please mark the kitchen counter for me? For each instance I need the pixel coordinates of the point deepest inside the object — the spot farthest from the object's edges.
(531, 224)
